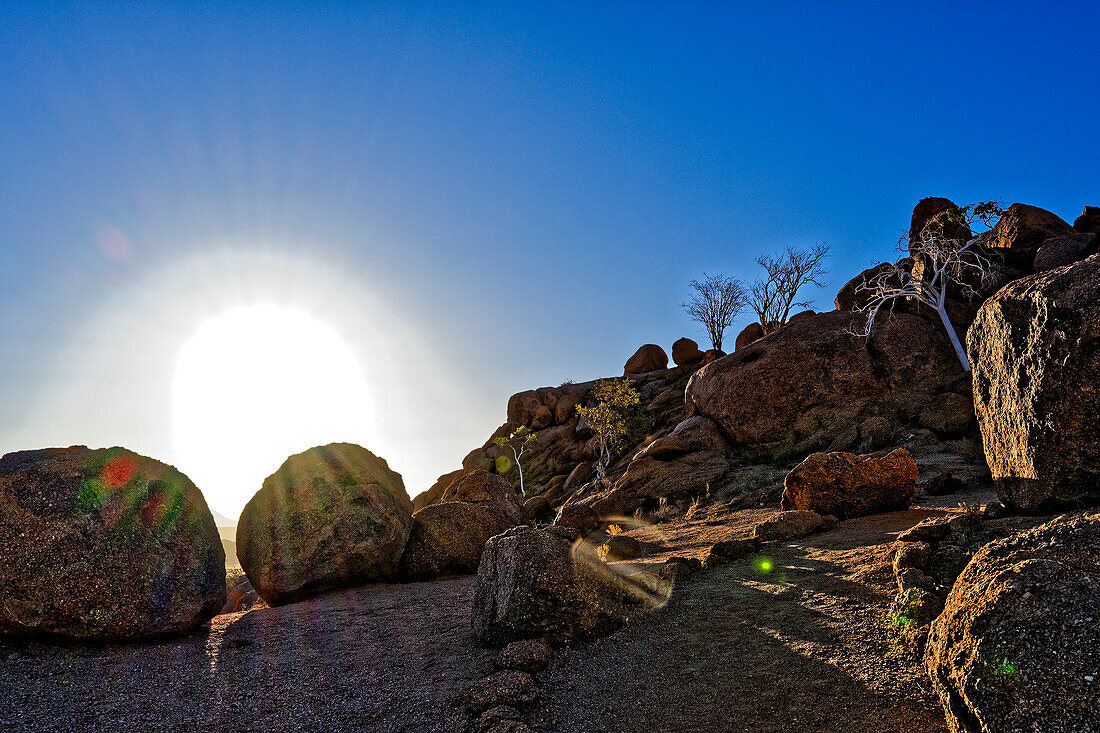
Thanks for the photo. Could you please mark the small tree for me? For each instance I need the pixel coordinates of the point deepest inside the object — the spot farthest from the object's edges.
(773, 297)
(945, 262)
(518, 442)
(614, 418)
(716, 302)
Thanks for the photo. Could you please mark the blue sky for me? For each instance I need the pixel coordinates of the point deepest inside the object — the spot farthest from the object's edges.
(526, 189)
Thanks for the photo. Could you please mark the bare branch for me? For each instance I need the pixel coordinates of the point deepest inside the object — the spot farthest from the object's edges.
(716, 302)
(773, 297)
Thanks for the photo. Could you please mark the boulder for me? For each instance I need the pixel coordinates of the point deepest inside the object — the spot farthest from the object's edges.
(810, 386)
(850, 297)
(104, 544)
(790, 525)
(750, 334)
(537, 507)
(1064, 250)
(1019, 232)
(490, 491)
(531, 584)
(1035, 351)
(331, 517)
(686, 351)
(648, 358)
(1089, 221)
(846, 485)
(712, 355)
(449, 538)
(1017, 646)
(934, 207)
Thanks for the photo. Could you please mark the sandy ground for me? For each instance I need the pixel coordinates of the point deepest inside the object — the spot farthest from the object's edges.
(801, 647)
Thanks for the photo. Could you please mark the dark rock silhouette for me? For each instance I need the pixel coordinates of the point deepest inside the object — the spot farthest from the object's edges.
(648, 358)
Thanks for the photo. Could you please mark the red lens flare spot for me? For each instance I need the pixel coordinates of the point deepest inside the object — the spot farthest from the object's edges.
(119, 471)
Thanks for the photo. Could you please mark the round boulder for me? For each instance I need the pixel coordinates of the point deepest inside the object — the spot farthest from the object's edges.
(648, 358)
(686, 351)
(531, 584)
(846, 485)
(104, 544)
(331, 517)
(749, 334)
(1017, 646)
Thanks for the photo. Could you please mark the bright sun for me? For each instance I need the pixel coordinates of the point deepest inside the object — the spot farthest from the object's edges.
(254, 385)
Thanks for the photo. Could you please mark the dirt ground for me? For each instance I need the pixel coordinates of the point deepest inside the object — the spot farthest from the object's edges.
(791, 641)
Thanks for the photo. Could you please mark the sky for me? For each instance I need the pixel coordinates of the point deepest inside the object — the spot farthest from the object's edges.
(455, 202)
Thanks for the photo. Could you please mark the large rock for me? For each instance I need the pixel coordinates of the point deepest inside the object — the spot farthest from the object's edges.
(1017, 647)
(490, 491)
(686, 351)
(935, 208)
(1035, 350)
(810, 386)
(532, 584)
(1019, 232)
(750, 334)
(847, 485)
(449, 538)
(647, 358)
(104, 544)
(331, 517)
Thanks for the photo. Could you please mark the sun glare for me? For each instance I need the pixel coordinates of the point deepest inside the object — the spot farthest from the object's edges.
(254, 385)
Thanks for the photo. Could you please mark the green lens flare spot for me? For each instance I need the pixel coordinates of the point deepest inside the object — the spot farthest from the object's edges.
(763, 565)
(503, 464)
(1007, 669)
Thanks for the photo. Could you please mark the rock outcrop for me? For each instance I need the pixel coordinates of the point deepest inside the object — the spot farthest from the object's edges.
(791, 525)
(331, 517)
(648, 358)
(847, 485)
(490, 491)
(1035, 350)
(851, 297)
(532, 584)
(811, 385)
(685, 464)
(1019, 233)
(1017, 646)
(104, 544)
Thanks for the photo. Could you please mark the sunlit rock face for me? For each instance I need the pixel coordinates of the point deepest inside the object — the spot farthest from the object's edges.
(104, 544)
(331, 517)
(1017, 646)
(1035, 348)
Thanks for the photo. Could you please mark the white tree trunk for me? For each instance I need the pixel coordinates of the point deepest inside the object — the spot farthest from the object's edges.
(953, 337)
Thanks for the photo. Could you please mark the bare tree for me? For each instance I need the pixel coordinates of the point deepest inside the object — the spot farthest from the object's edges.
(946, 263)
(773, 297)
(716, 302)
